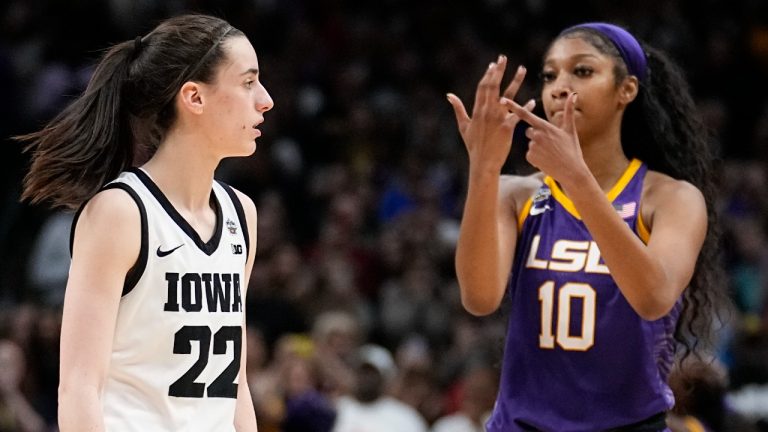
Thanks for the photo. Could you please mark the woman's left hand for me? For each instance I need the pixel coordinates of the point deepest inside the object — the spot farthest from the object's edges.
(553, 150)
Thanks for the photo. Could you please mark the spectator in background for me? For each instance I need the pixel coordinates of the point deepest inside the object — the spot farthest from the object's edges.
(700, 389)
(369, 408)
(50, 259)
(16, 412)
(286, 393)
(306, 408)
(477, 392)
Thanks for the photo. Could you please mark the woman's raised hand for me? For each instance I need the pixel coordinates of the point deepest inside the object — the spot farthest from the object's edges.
(553, 149)
(488, 133)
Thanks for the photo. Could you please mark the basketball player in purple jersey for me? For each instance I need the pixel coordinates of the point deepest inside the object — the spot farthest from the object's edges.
(598, 251)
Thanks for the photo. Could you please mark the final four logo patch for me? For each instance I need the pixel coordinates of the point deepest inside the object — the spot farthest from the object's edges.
(542, 194)
(231, 226)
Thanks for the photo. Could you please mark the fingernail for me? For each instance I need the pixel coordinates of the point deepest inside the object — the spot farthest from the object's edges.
(490, 65)
(521, 68)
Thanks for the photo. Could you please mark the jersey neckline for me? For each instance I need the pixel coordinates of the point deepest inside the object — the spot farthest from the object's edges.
(611, 195)
(208, 247)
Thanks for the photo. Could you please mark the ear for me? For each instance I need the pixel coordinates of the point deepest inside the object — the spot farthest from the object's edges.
(191, 97)
(628, 90)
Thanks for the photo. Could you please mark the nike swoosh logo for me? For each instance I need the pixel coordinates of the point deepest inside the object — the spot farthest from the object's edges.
(539, 210)
(162, 253)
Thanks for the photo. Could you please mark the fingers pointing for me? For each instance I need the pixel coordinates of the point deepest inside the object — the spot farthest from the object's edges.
(488, 87)
(514, 85)
(462, 118)
(569, 121)
(525, 114)
(513, 119)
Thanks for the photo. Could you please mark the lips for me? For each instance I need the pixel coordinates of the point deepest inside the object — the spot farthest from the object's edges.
(560, 111)
(256, 129)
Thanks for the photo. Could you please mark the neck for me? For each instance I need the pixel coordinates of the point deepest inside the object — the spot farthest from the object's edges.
(183, 170)
(605, 157)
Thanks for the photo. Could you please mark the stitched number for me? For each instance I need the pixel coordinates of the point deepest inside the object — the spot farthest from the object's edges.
(567, 292)
(186, 386)
(223, 385)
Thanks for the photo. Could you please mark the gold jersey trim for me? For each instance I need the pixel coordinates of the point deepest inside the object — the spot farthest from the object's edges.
(623, 181)
(524, 214)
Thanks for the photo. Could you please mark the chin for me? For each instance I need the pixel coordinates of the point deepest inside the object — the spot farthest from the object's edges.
(243, 151)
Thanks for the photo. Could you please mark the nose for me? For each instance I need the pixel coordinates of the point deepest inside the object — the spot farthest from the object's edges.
(561, 88)
(264, 101)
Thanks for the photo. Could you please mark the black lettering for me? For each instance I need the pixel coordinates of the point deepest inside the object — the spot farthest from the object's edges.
(214, 293)
(237, 302)
(187, 302)
(172, 304)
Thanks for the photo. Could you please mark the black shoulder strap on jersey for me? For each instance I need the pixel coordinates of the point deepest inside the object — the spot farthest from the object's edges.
(134, 274)
(240, 214)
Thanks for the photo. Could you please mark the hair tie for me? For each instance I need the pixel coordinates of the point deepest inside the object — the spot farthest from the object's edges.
(137, 46)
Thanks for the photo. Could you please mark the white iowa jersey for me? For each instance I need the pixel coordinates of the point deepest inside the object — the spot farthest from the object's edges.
(177, 342)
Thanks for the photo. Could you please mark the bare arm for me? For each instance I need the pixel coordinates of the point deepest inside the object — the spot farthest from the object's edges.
(651, 277)
(245, 413)
(488, 227)
(91, 302)
(486, 243)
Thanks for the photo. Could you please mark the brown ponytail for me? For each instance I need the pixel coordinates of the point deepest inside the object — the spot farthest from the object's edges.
(124, 112)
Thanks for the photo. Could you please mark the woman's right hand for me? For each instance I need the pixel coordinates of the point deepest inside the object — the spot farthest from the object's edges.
(488, 133)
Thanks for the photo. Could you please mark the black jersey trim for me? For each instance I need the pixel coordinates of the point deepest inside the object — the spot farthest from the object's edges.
(207, 247)
(137, 270)
(240, 214)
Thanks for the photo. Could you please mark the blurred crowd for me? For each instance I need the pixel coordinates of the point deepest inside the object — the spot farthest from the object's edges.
(354, 316)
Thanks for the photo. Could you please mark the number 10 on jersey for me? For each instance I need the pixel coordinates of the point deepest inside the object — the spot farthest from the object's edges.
(563, 337)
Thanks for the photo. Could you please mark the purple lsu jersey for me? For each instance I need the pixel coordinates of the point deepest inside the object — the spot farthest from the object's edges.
(577, 356)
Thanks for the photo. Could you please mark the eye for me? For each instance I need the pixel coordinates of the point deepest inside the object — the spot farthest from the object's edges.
(582, 71)
(249, 83)
(547, 76)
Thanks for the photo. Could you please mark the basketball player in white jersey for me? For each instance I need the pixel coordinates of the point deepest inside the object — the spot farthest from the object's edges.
(152, 333)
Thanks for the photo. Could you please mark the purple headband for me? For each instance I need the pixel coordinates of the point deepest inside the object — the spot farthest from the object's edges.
(629, 48)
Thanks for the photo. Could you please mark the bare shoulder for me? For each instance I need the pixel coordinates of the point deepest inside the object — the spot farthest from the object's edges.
(661, 191)
(112, 208)
(517, 189)
(659, 188)
(111, 214)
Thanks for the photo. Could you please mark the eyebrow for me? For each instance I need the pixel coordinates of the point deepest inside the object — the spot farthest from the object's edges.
(251, 71)
(574, 57)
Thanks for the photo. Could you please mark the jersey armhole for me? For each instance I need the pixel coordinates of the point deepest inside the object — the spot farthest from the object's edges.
(524, 214)
(134, 273)
(240, 214)
(642, 229)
